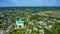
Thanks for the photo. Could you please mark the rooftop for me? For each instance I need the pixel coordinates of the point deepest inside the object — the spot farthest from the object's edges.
(19, 21)
(1, 30)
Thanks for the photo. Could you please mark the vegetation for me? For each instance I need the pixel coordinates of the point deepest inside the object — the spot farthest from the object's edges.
(36, 20)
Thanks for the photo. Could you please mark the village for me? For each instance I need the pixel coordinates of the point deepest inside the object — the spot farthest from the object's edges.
(25, 22)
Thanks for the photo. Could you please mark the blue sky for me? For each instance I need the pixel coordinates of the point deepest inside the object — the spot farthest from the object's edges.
(7, 3)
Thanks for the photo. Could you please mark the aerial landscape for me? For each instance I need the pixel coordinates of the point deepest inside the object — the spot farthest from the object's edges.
(29, 21)
(29, 16)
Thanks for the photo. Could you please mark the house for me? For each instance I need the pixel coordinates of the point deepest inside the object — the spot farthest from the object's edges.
(29, 30)
(33, 14)
(48, 27)
(41, 31)
(58, 20)
(20, 22)
(35, 28)
(41, 22)
(1, 31)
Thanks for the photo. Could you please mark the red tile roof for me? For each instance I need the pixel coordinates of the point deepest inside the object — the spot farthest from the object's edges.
(1, 28)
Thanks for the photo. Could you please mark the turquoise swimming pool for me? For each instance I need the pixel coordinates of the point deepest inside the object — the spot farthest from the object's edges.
(19, 21)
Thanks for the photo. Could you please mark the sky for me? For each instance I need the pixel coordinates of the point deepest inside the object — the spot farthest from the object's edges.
(7, 3)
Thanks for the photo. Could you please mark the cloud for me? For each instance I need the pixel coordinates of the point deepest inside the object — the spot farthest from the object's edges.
(12, 0)
(29, 3)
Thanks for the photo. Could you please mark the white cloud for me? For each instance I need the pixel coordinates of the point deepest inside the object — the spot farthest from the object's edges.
(30, 3)
(13, 0)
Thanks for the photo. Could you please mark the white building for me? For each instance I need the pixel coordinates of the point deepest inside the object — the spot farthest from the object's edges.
(41, 31)
(20, 23)
(41, 22)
